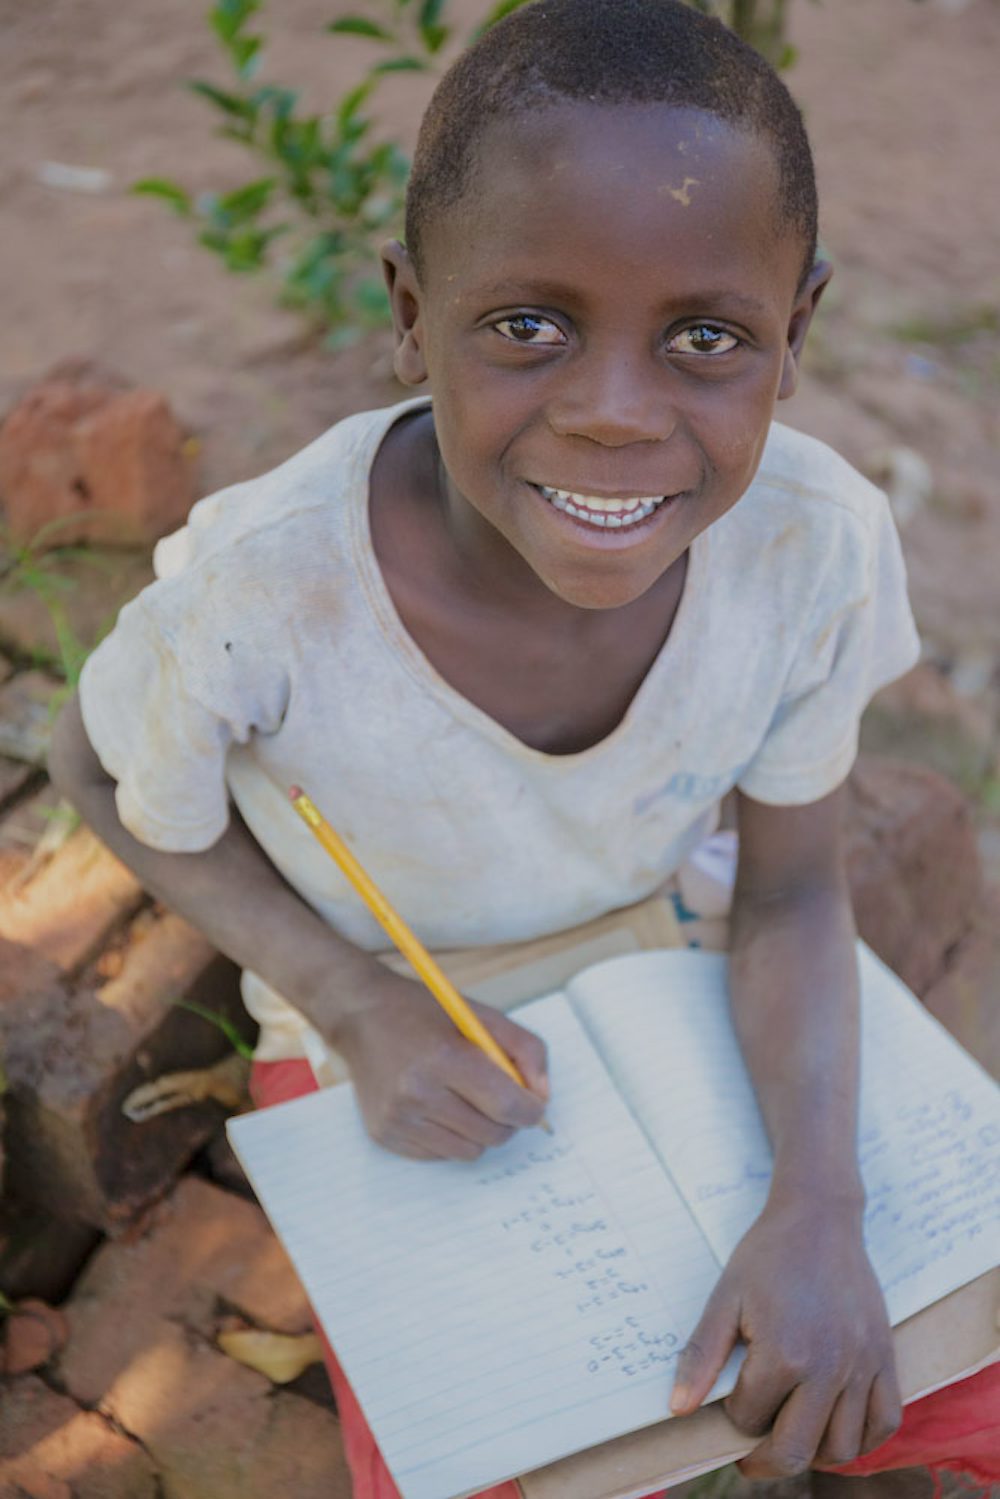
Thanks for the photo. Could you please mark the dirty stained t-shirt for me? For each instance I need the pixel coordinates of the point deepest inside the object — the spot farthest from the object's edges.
(269, 653)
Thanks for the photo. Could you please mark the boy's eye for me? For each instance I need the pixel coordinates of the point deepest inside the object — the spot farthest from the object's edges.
(529, 328)
(703, 338)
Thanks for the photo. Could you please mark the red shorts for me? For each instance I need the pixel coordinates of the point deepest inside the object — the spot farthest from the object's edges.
(957, 1429)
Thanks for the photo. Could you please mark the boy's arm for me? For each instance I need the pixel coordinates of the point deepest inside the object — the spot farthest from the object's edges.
(799, 1289)
(424, 1091)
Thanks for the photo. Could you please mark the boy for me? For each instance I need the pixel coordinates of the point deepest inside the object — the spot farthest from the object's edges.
(519, 645)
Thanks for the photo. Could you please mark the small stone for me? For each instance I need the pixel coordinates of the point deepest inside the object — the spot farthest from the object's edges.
(33, 1333)
(26, 715)
(907, 479)
(73, 179)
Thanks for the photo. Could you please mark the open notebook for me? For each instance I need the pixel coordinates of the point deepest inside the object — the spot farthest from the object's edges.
(497, 1315)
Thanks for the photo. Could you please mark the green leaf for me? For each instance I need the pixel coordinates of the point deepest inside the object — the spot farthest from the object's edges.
(246, 203)
(160, 187)
(434, 37)
(246, 250)
(228, 16)
(245, 52)
(401, 65)
(359, 26)
(231, 104)
(224, 1024)
(280, 101)
(352, 102)
(429, 21)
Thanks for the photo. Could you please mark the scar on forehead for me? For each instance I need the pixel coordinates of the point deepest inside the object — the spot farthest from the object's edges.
(683, 193)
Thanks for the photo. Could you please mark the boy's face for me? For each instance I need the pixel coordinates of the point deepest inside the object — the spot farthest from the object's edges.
(607, 317)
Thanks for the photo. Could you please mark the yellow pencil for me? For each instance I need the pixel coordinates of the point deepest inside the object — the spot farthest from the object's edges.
(409, 945)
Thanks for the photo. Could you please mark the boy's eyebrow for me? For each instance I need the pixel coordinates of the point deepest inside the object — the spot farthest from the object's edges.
(554, 291)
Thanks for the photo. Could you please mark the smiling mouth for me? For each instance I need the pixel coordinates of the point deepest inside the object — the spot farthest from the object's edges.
(612, 515)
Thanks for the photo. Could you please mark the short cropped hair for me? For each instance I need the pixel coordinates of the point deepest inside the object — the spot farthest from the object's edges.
(606, 52)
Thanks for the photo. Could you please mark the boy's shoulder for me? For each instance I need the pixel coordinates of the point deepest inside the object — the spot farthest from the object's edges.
(313, 487)
(806, 474)
(808, 515)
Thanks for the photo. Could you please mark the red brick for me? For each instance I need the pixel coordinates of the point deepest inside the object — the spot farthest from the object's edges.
(143, 1319)
(913, 865)
(134, 462)
(50, 1449)
(73, 1053)
(200, 1252)
(108, 463)
(217, 1430)
(68, 908)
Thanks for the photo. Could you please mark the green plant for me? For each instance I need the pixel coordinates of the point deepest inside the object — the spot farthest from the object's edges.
(331, 188)
(35, 566)
(222, 1022)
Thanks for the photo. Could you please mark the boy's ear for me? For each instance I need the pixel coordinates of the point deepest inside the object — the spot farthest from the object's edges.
(806, 303)
(404, 298)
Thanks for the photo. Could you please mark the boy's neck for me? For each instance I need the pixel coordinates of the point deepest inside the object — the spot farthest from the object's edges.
(558, 677)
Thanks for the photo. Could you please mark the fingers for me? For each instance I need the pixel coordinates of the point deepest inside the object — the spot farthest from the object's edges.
(493, 1094)
(706, 1351)
(765, 1382)
(846, 1428)
(866, 1415)
(813, 1429)
(791, 1445)
(885, 1410)
(526, 1050)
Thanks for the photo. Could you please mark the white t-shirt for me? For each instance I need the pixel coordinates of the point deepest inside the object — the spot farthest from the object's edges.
(268, 653)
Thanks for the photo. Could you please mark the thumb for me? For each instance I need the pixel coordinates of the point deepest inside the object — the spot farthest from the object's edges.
(526, 1050)
(706, 1351)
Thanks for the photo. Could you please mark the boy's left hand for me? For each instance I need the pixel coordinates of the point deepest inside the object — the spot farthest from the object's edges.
(819, 1375)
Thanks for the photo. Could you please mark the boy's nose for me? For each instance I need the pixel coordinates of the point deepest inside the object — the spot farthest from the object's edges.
(614, 401)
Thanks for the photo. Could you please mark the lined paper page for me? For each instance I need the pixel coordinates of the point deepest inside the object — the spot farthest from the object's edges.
(496, 1315)
(929, 1132)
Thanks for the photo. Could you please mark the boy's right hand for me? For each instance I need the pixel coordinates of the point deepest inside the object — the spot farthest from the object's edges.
(423, 1089)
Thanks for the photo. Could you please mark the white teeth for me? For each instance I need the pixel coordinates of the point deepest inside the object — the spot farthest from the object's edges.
(600, 512)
